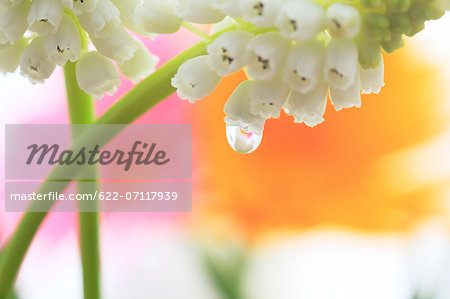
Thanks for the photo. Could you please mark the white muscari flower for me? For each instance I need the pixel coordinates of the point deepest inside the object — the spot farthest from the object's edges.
(13, 22)
(82, 6)
(301, 20)
(93, 22)
(349, 97)
(262, 13)
(228, 7)
(372, 80)
(198, 11)
(268, 97)
(65, 44)
(96, 74)
(308, 107)
(343, 20)
(267, 55)
(10, 55)
(157, 16)
(34, 63)
(128, 13)
(341, 63)
(225, 23)
(227, 54)
(10, 3)
(195, 79)
(44, 16)
(304, 65)
(140, 66)
(115, 42)
(244, 129)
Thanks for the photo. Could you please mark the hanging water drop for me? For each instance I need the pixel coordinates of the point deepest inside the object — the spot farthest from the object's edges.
(242, 141)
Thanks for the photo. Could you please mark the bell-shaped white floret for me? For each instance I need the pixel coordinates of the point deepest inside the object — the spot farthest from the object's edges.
(10, 55)
(341, 63)
(228, 7)
(13, 22)
(141, 65)
(34, 62)
(301, 20)
(195, 79)
(224, 24)
(10, 3)
(343, 20)
(308, 107)
(267, 97)
(157, 16)
(93, 22)
(65, 44)
(261, 13)
(83, 6)
(115, 42)
(267, 55)
(96, 74)
(304, 65)
(198, 11)
(349, 97)
(44, 16)
(228, 53)
(372, 80)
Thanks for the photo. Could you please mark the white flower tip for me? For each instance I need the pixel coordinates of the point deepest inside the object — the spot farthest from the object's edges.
(341, 63)
(343, 20)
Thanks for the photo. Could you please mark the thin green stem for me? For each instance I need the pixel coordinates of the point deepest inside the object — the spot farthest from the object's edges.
(82, 111)
(197, 31)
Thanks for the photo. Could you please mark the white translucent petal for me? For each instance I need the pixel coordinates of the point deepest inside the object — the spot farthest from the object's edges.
(195, 79)
(10, 55)
(65, 43)
(34, 63)
(268, 97)
(347, 98)
(308, 107)
(198, 11)
(82, 6)
(157, 16)
(262, 13)
(268, 53)
(372, 80)
(341, 63)
(10, 3)
(128, 14)
(225, 23)
(301, 20)
(96, 20)
(228, 7)
(115, 42)
(304, 65)
(228, 54)
(96, 74)
(141, 65)
(44, 16)
(13, 22)
(343, 20)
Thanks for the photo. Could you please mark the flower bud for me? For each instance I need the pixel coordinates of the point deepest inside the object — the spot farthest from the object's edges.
(267, 55)
(227, 54)
(198, 11)
(309, 107)
(237, 109)
(304, 65)
(10, 55)
(394, 43)
(157, 16)
(115, 42)
(45, 16)
(82, 6)
(372, 80)
(341, 63)
(228, 7)
(301, 20)
(418, 14)
(375, 26)
(65, 43)
(262, 13)
(96, 74)
(343, 20)
(267, 97)
(398, 5)
(13, 22)
(349, 97)
(93, 22)
(399, 23)
(34, 62)
(140, 66)
(376, 4)
(195, 79)
(368, 52)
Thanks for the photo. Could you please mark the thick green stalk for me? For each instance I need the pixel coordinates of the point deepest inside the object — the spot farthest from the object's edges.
(139, 100)
(82, 111)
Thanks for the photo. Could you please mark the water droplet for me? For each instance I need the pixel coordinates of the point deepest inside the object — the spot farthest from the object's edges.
(243, 142)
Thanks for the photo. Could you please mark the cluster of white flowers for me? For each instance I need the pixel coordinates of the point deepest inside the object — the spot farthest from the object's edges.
(295, 53)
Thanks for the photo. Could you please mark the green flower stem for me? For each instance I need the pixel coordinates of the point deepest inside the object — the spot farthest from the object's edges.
(82, 111)
(135, 103)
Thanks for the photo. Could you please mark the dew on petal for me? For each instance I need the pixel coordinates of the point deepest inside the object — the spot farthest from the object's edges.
(242, 141)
